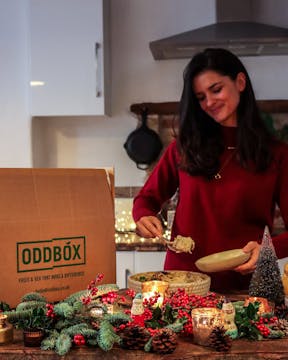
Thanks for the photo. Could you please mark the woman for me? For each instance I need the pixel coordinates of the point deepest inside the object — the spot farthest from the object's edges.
(229, 170)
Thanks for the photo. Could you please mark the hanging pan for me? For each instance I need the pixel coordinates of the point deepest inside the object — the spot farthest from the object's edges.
(143, 145)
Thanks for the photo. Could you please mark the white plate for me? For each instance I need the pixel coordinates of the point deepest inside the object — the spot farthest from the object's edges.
(221, 261)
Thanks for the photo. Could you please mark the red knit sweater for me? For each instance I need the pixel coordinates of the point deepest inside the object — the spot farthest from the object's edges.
(218, 214)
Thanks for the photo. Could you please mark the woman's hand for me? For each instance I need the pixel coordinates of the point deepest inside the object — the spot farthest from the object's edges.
(149, 227)
(254, 248)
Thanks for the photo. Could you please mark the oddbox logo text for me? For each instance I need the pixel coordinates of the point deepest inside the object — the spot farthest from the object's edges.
(49, 254)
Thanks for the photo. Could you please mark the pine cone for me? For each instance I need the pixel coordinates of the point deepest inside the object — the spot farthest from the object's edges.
(218, 340)
(134, 337)
(164, 342)
(281, 311)
(281, 324)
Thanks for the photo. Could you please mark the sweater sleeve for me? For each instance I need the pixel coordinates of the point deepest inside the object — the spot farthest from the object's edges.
(281, 241)
(160, 186)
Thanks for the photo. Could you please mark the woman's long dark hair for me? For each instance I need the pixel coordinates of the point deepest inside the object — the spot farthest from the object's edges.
(200, 140)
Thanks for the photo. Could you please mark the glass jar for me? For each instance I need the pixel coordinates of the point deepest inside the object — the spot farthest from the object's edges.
(204, 321)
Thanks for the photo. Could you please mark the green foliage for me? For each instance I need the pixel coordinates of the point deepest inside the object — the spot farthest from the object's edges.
(107, 336)
(4, 306)
(148, 345)
(64, 310)
(31, 304)
(166, 317)
(276, 334)
(64, 323)
(177, 326)
(14, 316)
(76, 297)
(75, 329)
(77, 306)
(33, 296)
(63, 344)
(49, 342)
(92, 342)
(117, 319)
(244, 318)
(36, 320)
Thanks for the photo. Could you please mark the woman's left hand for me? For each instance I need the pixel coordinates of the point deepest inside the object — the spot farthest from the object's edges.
(254, 248)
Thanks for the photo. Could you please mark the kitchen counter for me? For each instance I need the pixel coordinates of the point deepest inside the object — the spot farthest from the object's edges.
(241, 350)
(133, 242)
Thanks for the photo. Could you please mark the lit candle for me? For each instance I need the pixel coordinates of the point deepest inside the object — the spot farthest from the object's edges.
(152, 288)
(204, 320)
(265, 306)
(96, 312)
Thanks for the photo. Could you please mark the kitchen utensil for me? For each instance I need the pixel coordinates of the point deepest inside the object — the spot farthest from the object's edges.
(143, 145)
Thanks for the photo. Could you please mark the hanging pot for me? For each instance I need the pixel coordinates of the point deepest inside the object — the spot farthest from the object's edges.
(143, 145)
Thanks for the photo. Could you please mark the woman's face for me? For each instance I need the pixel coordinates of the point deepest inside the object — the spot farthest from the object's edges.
(219, 95)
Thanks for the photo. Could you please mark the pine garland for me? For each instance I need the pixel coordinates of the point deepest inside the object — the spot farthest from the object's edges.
(77, 296)
(64, 323)
(49, 342)
(63, 344)
(117, 319)
(14, 316)
(33, 296)
(107, 336)
(64, 310)
(31, 304)
(148, 345)
(75, 329)
(77, 306)
(177, 326)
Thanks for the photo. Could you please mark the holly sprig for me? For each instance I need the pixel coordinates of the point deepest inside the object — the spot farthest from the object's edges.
(245, 318)
(253, 325)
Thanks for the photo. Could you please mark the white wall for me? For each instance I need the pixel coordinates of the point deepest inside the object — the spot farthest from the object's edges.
(137, 77)
(15, 137)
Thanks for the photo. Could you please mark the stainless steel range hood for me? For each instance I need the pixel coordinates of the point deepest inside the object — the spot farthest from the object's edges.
(244, 38)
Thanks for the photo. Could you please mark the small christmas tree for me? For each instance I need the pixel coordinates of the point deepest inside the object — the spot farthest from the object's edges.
(266, 280)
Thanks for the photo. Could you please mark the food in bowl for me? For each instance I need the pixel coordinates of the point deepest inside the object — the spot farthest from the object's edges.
(191, 282)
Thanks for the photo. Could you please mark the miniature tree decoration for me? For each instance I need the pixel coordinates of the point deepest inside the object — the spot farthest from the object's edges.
(266, 280)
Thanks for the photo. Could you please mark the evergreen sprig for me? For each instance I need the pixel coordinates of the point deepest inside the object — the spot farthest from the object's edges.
(77, 296)
(75, 329)
(107, 336)
(49, 342)
(14, 316)
(64, 310)
(33, 296)
(117, 318)
(31, 304)
(63, 344)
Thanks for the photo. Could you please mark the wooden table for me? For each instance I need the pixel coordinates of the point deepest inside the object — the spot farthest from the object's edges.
(241, 349)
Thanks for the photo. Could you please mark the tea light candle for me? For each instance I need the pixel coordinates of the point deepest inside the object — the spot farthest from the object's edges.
(96, 312)
(204, 320)
(265, 306)
(110, 308)
(154, 287)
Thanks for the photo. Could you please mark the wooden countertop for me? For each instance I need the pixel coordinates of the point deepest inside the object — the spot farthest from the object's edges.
(241, 349)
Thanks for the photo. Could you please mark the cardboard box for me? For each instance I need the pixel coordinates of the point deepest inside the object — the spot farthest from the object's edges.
(56, 231)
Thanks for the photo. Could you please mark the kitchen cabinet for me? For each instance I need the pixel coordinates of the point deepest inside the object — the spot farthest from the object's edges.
(69, 57)
(133, 262)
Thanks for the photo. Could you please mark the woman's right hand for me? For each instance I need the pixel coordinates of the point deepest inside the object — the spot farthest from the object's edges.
(149, 227)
